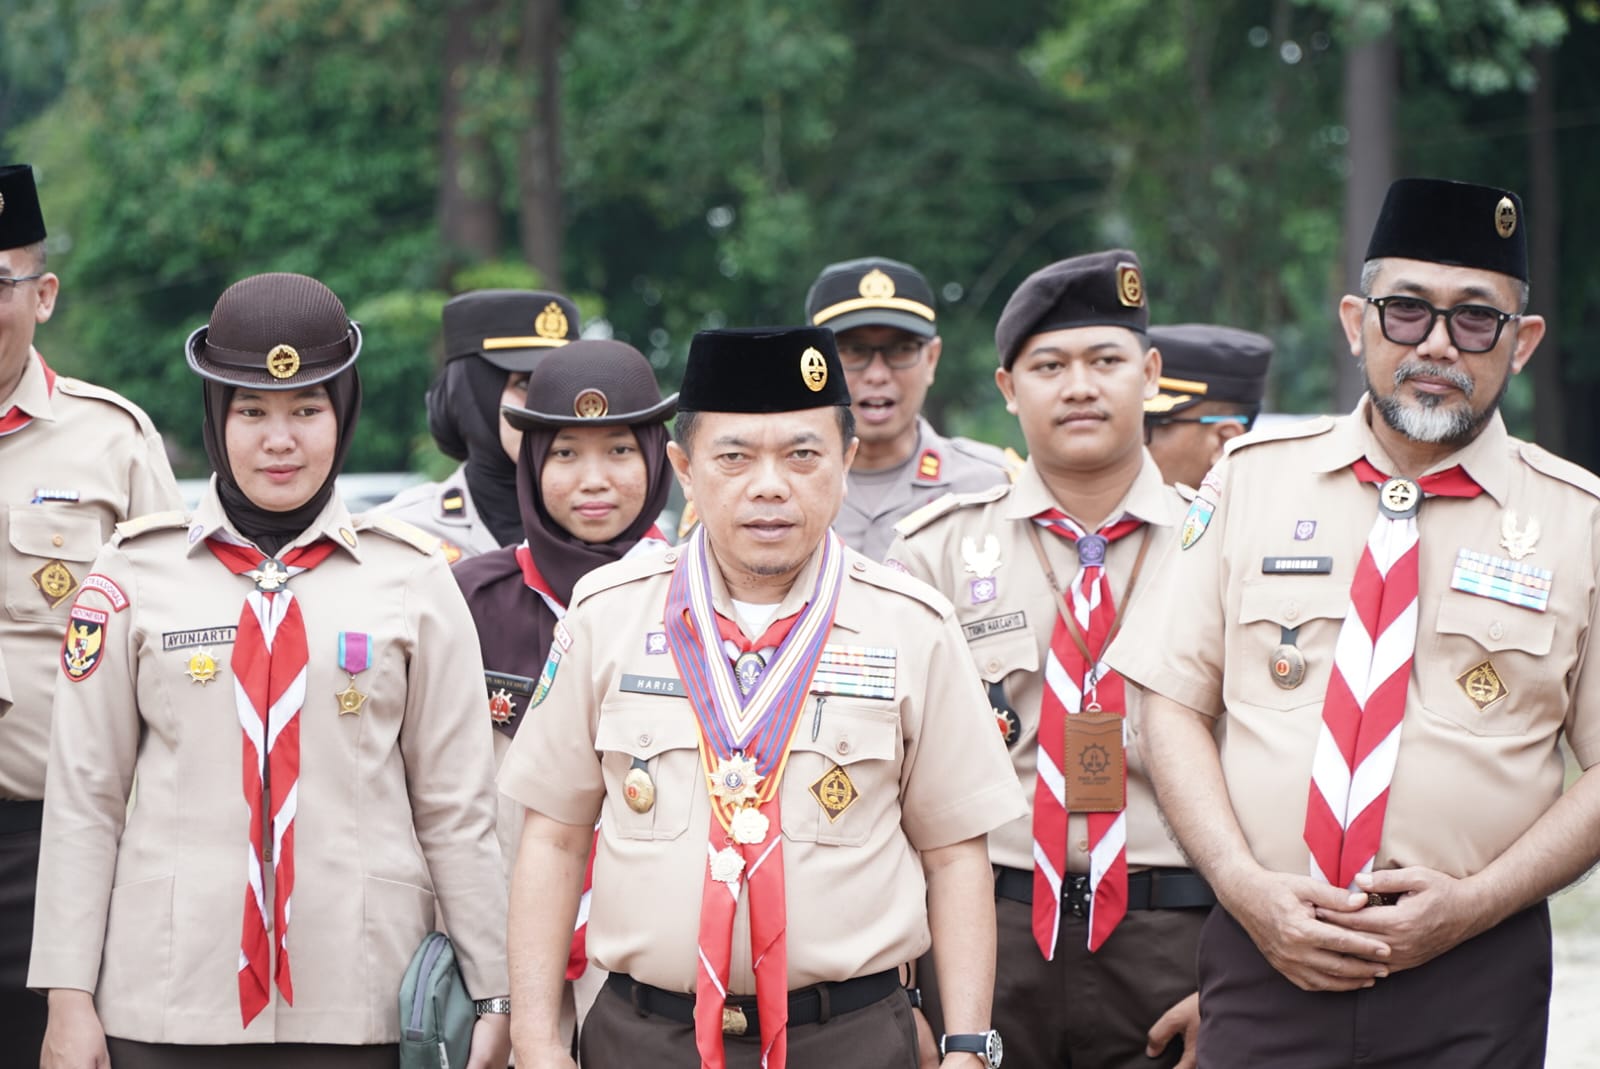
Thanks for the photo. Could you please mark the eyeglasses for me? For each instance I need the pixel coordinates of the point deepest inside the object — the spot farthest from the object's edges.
(1152, 422)
(1473, 328)
(7, 284)
(899, 355)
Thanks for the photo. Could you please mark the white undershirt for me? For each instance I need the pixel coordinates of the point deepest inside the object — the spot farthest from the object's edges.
(753, 619)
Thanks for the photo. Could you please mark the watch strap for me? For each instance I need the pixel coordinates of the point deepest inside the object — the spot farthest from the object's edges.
(483, 1006)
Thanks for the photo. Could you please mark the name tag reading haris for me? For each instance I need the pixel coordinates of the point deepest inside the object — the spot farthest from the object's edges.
(1096, 765)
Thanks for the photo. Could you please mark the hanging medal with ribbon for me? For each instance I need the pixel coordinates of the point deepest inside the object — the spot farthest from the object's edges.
(355, 657)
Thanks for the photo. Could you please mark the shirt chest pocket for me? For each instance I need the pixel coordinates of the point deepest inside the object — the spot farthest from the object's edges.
(1488, 667)
(48, 553)
(843, 775)
(1281, 654)
(1007, 663)
(660, 735)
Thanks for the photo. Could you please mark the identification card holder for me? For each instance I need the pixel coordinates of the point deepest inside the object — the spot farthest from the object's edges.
(1096, 772)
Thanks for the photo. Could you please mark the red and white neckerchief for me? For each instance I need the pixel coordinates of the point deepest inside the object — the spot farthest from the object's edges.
(15, 418)
(269, 686)
(578, 956)
(1071, 686)
(1366, 701)
(744, 749)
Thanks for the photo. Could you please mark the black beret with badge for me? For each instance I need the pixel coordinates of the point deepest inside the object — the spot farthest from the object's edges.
(21, 219)
(1455, 223)
(872, 292)
(593, 383)
(1100, 289)
(275, 331)
(1202, 362)
(763, 369)
(511, 329)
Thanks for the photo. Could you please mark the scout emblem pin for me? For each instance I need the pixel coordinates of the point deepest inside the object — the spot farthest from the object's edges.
(202, 666)
(500, 706)
(1398, 499)
(981, 563)
(355, 657)
(747, 669)
(1518, 542)
(270, 575)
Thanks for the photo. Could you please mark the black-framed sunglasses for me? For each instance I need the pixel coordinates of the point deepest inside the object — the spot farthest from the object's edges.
(1152, 422)
(899, 355)
(1473, 328)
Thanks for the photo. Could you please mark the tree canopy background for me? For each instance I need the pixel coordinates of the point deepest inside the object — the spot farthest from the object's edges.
(692, 164)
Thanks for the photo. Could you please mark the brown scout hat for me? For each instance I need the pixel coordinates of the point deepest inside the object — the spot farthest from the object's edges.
(594, 383)
(1098, 289)
(275, 332)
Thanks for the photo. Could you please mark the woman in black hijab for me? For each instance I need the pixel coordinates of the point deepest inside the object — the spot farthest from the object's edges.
(592, 478)
(333, 767)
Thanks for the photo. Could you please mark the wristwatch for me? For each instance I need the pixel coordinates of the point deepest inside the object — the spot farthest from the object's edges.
(484, 1006)
(984, 1044)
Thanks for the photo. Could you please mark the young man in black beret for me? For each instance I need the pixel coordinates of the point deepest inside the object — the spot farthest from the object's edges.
(1097, 913)
(1212, 382)
(883, 314)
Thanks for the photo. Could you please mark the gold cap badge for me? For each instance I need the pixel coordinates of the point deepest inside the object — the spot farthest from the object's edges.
(876, 285)
(552, 322)
(283, 361)
(1130, 285)
(2, 203)
(590, 404)
(1505, 217)
(813, 370)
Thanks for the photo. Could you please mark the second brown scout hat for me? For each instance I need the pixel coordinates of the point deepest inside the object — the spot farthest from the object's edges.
(1098, 289)
(1202, 362)
(594, 383)
(275, 332)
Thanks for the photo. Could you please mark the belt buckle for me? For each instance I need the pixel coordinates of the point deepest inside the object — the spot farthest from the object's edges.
(734, 1022)
(1075, 895)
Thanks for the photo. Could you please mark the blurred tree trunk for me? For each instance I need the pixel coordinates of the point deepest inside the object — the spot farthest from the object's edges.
(469, 180)
(1371, 73)
(1549, 414)
(539, 145)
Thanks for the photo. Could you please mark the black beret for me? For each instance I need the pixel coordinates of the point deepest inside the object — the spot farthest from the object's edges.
(1101, 289)
(276, 332)
(872, 292)
(593, 383)
(1452, 223)
(1201, 362)
(511, 329)
(763, 369)
(21, 220)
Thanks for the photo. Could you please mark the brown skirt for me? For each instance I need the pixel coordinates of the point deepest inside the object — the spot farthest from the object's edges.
(126, 1054)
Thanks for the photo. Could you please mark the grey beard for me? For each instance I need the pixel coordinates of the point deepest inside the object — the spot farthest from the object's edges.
(1427, 421)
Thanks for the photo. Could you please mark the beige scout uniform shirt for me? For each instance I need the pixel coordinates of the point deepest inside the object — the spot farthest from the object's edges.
(445, 510)
(939, 466)
(927, 766)
(89, 459)
(1478, 760)
(5, 687)
(1009, 637)
(395, 804)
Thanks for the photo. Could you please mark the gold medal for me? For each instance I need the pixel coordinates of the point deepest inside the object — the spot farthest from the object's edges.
(639, 790)
(351, 700)
(735, 779)
(202, 666)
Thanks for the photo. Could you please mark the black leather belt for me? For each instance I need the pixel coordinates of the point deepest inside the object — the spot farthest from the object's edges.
(808, 1005)
(20, 816)
(1147, 889)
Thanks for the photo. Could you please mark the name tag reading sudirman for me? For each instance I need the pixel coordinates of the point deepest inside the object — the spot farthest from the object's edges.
(1296, 565)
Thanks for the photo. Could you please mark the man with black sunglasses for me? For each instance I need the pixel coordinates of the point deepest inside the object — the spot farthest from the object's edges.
(1365, 656)
(1210, 390)
(882, 314)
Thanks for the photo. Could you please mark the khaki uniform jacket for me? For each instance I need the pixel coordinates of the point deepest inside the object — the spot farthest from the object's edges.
(939, 466)
(89, 460)
(444, 509)
(1008, 637)
(395, 804)
(926, 765)
(1493, 686)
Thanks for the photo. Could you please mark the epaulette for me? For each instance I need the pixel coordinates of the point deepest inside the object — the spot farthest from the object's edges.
(624, 571)
(1279, 432)
(78, 388)
(1014, 464)
(983, 452)
(400, 531)
(880, 575)
(1547, 463)
(150, 521)
(917, 519)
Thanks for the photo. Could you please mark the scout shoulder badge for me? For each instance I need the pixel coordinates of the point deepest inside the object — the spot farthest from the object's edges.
(83, 645)
(1201, 509)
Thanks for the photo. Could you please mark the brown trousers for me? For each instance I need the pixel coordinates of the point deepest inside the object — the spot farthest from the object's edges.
(126, 1054)
(879, 1036)
(22, 1013)
(1483, 1004)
